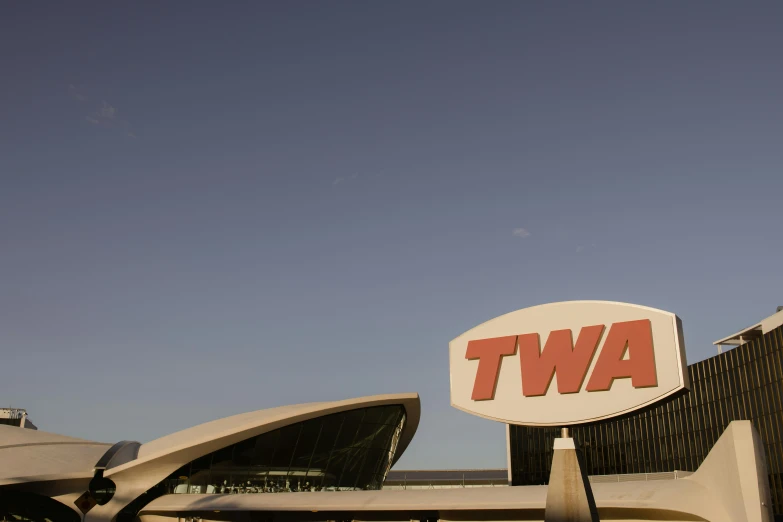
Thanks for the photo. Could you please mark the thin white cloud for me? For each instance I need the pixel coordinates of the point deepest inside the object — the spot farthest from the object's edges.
(103, 115)
(76, 94)
(106, 116)
(343, 179)
(107, 111)
(520, 232)
(579, 249)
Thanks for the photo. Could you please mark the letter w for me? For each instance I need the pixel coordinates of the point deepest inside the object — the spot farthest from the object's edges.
(559, 355)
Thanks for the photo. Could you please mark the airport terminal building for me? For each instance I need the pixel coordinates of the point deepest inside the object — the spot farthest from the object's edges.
(333, 461)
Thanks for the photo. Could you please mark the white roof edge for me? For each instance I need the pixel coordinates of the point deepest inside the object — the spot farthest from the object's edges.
(14, 436)
(765, 325)
(735, 337)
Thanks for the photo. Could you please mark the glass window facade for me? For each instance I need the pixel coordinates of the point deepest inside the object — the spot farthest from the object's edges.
(345, 451)
(745, 383)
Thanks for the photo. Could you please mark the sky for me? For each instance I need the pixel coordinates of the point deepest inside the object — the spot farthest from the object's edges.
(209, 208)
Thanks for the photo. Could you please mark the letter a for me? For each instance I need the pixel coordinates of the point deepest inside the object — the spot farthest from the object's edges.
(489, 352)
(636, 336)
(559, 355)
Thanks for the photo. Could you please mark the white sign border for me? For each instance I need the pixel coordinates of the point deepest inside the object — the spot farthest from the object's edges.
(681, 366)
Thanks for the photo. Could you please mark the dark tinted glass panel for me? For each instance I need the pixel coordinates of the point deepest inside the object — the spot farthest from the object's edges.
(223, 457)
(353, 463)
(376, 415)
(333, 469)
(349, 429)
(308, 438)
(243, 453)
(364, 476)
(265, 446)
(745, 383)
(326, 442)
(383, 433)
(286, 445)
(366, 433)
(374, 463)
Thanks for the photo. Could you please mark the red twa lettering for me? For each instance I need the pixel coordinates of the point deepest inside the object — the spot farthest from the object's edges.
(636, 337)
(559, 355)
(489, 352)
(570, 362)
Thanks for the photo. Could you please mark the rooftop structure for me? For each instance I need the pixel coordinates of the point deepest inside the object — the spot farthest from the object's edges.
(16, 417)
(753, 332)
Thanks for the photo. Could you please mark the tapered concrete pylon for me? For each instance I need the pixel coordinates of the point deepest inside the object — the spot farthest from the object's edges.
(569, 497)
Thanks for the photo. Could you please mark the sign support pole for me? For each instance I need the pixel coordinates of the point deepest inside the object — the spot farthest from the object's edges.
(569, 497)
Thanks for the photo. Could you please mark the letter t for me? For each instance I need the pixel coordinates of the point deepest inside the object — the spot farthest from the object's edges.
(489, 352)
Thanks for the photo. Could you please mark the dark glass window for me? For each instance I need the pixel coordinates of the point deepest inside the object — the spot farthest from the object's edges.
(745, 383)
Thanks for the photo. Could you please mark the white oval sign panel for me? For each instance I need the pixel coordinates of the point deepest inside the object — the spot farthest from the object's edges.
(568, 363)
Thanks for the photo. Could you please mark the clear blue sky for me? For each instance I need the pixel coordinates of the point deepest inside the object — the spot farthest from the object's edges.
(208, 208)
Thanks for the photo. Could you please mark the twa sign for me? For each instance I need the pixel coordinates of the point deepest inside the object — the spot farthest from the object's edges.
(568, 363)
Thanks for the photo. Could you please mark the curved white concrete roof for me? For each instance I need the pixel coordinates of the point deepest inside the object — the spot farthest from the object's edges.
(31, 456)
(13, 435)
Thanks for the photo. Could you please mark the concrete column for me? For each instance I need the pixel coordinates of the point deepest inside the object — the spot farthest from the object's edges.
(569, 497)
